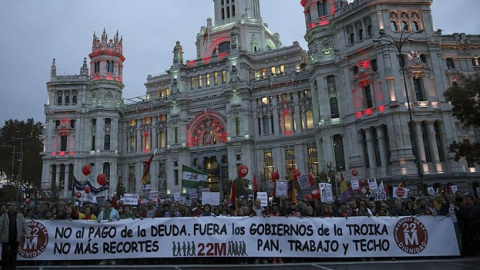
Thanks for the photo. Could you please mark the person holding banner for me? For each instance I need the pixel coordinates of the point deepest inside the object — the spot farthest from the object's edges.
(12, 225)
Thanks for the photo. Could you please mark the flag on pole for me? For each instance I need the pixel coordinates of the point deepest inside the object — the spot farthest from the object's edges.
(232, 200)
(294, 184)
(146, 173)
(402, 184)
(255, 184)
(344, 192)
(192, 178)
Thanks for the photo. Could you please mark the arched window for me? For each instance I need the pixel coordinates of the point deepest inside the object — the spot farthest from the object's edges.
(415, 26)
(224, 47)
(322, 8)
(339, 153)
(394, 26)
(67, 97)
(360, 34)
(405, 26)
(59, 98)
(74, 97)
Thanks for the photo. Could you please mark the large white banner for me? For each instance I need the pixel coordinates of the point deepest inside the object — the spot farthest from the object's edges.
(240, 237)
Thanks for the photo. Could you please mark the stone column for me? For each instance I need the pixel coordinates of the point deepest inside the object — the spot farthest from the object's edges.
(371, 151)
(383, 150)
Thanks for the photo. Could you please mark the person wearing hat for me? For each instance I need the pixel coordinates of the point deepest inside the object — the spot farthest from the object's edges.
(12, 225)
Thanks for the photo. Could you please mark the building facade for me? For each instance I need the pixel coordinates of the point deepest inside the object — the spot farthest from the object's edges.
(344, 104)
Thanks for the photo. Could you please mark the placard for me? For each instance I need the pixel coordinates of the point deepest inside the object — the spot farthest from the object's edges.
(303, 182)
(281, 188)
(372, 183)
(263, 197)
(355, 184)
(130, 199)
(212, 198)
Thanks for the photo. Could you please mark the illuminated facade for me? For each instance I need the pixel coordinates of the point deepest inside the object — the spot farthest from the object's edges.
(247, 99)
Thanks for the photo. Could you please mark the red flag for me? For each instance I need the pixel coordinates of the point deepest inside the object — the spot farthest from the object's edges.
(146, 173)
(402, 184)
(232, 200)
(255, 184)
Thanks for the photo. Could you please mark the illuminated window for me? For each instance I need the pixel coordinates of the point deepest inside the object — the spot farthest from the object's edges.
(132, 143)
(192, 83)
(207, 79)
(264, 73)
(163, 139)
(200, 81)
(132, 123)
(273, 70)
(312, 162)
(265, 100)
(476, 62)
(309, 115)
(163, 93)
(147, 141)
(281, 69)
(224, 76)
(289, 162)
(268, 167)
(215, 77)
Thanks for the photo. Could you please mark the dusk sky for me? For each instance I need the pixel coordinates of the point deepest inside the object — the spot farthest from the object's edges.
(33, 32)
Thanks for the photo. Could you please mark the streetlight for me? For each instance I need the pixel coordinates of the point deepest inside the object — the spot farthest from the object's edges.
(387, 39)
(13, 158)
(20, 166)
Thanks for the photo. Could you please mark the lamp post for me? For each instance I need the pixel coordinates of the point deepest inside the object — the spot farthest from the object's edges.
(20, 166)
(388, 39)
(13, 158)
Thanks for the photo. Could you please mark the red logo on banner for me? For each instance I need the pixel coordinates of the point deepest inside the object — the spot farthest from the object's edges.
(410, 235)
(36, 244)
(400, 192)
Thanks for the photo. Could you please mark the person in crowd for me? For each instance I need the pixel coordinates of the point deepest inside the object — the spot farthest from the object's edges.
(423, 208)
(3, 208)
(172, 212)
(87, 215)
(60, 214)
(342, 211)
(396, 209)
(257, 209)
(352, 207)
(293, 211)
(207, 211)
(382, 210)
(363, 209)
(469, 223)
(126, 212)
(109, 213)
(409, 209)
(71, 212)
(184, 210)
(12, 226)
(149, 211)
(37, 212)
(29, 214)
(326, 210)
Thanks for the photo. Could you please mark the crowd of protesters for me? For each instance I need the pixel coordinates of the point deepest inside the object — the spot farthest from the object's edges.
(464, 210)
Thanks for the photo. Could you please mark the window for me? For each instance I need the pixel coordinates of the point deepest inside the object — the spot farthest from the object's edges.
(476, 62)
(352, 38)
(370, 30)
(109, 66)
(268, 167)
(322, 8)
(106, 169)
(59, 98)
(339, 153)
(334, 113)
(57, 123)
(67, 98)
(266, 129)
(72, 123)
(368, 98)
(394, 26)
(63, 143)
(96, 67)
(309, 115)
(387, 144)
(207, 79)
(360, 34)
(365, 149)
(163, 139)
(426, 143)
(175, 130)
(438, 139)
(200, 81)
(405, 26)
(61, 182)
(415, 26)
(192, 83)
(237, 126)
(74, 97)
(70, 176)
(93, 143)
(106, 143)
(175, 177)
(224, 47)
(376, 147)
(419, 91)
(312, 162)
(373, 65)
(215, 77)
(450, 64)
(224, 76)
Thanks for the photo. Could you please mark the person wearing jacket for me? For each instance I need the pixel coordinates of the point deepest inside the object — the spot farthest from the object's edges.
(12, 225)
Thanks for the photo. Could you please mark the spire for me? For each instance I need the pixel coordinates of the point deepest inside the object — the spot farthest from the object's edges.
(53, 69)
(84, 68)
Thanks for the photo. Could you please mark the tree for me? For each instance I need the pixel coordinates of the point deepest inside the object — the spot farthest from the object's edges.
(21, 147)
(465, 99)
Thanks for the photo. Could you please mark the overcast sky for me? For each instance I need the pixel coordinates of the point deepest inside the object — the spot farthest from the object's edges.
(33, 32)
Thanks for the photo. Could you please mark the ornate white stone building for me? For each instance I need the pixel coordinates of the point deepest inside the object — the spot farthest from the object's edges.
(247, 99)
